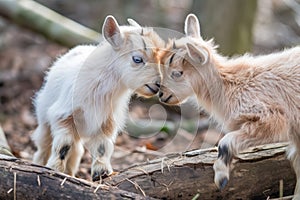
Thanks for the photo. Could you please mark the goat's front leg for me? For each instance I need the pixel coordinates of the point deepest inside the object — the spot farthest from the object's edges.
(43, 141)
(256, 130)
(230, 145)
(226, 152)
(101, 149)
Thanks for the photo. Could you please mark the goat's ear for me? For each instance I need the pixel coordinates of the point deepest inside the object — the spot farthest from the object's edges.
(111, 32)
(133, 23)
(192, 26)
(197, 54)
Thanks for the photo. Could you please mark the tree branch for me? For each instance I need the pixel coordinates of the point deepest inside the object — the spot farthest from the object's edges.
(52, 25)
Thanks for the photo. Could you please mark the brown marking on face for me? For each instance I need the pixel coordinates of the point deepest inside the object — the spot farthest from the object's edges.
(155, 45)
(167, 52)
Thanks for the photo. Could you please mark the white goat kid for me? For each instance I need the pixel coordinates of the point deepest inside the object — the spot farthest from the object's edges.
(255, 98)
(86, 93)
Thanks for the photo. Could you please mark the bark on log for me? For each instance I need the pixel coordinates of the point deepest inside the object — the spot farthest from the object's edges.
(256, 175)
(52, 25)
(21, 180)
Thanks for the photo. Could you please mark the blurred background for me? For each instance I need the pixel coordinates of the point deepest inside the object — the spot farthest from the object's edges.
(252, 26)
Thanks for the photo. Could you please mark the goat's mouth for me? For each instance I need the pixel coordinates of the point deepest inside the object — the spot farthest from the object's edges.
(166, 100)
(147, 90)
(169, 100)
(153, 90)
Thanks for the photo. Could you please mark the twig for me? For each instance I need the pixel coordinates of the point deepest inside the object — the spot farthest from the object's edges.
(281, 189)
(97, 188)
(284, 198)
(196, 196)
(162, 165)
(9, 191)
(142, 170)
(63, 182)
(38, 180)
(15, 185)
(167, 186)
(137, 186)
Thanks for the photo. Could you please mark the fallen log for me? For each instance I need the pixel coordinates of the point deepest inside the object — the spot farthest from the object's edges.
(260, 173)
(257, 175)
(22, 180)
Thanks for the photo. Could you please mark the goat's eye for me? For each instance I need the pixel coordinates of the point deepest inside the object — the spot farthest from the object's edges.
(137, 59)
(176, 74)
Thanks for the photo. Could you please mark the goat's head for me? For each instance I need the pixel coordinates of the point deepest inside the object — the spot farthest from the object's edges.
(137, 49)
(183, 64)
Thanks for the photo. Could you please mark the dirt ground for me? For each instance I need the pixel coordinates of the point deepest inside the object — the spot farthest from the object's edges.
(25, 56)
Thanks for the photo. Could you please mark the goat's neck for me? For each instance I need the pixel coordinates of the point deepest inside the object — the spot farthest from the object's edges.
(210, 90)
(100, 80)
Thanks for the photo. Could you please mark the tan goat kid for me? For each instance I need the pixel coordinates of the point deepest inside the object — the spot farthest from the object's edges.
(86, 93)
(256, 99)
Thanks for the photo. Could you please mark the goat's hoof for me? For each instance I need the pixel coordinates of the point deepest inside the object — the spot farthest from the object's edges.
(222, 183)
(99, 175)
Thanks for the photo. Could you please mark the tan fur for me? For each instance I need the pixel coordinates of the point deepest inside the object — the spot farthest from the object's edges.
(255, 98)
(108, 126)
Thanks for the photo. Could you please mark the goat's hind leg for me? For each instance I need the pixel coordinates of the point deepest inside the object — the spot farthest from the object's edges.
(294, 156)
(62, 147)
(74, 158)
(43, 141)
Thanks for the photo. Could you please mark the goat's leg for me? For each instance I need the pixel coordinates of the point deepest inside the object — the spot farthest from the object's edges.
(62, 147)
(255, 130)
(74, 159)
(294, 156)
(101, 149)
(43, 141)
(229, 146)
(226, 152)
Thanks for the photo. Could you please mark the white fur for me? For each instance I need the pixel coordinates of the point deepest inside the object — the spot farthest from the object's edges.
(85, 96)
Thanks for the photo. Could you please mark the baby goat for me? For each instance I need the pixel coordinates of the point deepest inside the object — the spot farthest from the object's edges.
(85, 95)
(257, 99)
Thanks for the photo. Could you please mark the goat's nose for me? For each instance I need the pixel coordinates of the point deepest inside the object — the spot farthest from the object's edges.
(160, 94)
